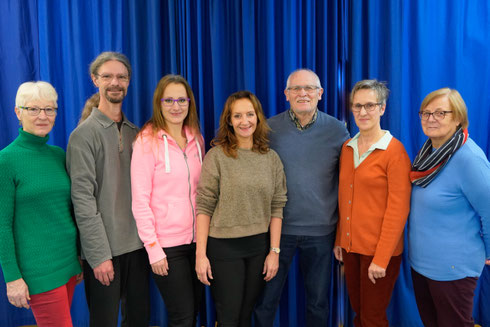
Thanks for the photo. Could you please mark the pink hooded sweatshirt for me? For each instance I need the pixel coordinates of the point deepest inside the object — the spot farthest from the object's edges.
(163, 185)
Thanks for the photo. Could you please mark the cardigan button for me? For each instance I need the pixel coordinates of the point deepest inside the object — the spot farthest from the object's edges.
(350, 185)
(347, 234)
(347, 218)
(350, 201)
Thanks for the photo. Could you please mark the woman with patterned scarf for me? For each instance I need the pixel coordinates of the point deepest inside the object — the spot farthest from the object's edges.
(449, 222)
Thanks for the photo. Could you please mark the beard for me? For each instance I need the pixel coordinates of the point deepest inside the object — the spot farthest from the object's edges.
(115, 99)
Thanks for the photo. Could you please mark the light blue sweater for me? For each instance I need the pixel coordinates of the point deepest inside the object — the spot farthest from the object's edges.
(449, 222)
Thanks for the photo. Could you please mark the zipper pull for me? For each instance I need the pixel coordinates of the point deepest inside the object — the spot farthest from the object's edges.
(185, 155)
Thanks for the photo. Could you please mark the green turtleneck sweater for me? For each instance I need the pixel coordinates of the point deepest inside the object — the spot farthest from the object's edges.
(37, 232)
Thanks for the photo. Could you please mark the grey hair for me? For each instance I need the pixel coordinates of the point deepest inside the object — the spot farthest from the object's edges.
(317, 79)
(108, 56)
(382, 91)
(32, 91)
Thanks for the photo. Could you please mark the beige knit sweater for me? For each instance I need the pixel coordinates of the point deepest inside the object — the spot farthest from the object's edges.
(241, 195)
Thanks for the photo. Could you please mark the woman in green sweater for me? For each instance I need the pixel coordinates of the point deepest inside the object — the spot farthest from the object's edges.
(38, 249)
(240, 198)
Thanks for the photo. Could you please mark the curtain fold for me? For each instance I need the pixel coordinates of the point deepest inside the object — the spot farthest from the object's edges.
(19, 59)
(224, 46)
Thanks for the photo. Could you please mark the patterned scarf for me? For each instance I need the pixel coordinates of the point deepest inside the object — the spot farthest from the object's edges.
(427, 164)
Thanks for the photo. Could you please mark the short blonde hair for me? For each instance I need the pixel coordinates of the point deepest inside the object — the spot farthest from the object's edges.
(456, 102)
(32, 91)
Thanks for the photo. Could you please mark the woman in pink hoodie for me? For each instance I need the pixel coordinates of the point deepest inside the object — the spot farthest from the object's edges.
(165, 169)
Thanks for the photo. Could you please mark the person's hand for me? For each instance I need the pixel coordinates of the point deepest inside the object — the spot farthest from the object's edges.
(160, 267)
(487, 262)
(337, 251)
(203, 270)
(79, 277)
(375, 271)
(104, 272)
(271, 266)
(18, 293)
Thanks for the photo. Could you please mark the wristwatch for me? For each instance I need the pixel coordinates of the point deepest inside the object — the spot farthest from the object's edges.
(275, 250)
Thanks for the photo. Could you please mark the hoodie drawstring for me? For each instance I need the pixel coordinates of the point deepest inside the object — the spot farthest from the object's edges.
(199, 150)
(167, 159)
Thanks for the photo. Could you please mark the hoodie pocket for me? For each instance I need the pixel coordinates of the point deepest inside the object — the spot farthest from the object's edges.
(179, 218)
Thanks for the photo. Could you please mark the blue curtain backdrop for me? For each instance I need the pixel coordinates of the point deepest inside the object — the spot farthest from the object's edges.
(224, 46)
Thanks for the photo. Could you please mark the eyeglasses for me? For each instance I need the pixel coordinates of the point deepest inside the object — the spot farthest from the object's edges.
(370, 106)
(106, 78)
(34, 111)
(169, 102)
(438, 115)
(308, 88)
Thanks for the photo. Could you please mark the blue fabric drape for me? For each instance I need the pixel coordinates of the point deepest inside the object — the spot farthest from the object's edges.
(418, 47)
(225, 46)
(19, 59)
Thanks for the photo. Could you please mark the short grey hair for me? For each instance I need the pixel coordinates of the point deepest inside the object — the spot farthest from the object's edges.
(382, 91)
(108, 56)
(317, 79)
(32, 91)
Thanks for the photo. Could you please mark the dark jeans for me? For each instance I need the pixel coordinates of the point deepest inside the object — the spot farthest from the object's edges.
(236, 285)
(180, 289)
(444, 303)
(315, 255)
(130, 286)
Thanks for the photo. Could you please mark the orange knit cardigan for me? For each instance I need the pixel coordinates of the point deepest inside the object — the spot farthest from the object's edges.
(374, 202)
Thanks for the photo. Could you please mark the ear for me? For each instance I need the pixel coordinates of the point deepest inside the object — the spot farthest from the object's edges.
(320, 93)
(382, 109)
(17, 113)
(286, 93)
(94, 80)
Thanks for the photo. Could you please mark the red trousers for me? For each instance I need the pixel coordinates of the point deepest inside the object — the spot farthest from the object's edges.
(369, 301)
(52, 308)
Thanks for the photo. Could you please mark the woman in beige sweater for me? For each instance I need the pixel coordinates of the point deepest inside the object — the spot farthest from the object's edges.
(240, 198)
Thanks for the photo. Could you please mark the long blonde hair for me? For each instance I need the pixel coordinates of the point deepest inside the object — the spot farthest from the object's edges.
(157, 121)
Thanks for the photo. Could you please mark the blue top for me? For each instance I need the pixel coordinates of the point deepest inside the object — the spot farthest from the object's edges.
(310, 158)
(449, 222)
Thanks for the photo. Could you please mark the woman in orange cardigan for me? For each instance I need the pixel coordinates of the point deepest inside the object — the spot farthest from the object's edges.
(374, 201)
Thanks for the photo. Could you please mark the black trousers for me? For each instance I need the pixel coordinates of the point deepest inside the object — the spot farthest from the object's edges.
(130, 286)
(236, 286)
(180, 289)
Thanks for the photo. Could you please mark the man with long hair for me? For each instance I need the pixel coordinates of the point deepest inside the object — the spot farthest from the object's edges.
(115, 265)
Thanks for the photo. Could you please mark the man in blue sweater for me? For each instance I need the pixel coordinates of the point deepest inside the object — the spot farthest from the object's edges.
(308, 142)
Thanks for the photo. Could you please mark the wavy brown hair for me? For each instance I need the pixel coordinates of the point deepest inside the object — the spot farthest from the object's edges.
(157, 121)
(226, 134)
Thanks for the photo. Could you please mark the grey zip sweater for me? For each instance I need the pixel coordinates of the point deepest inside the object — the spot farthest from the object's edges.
(98, 160)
